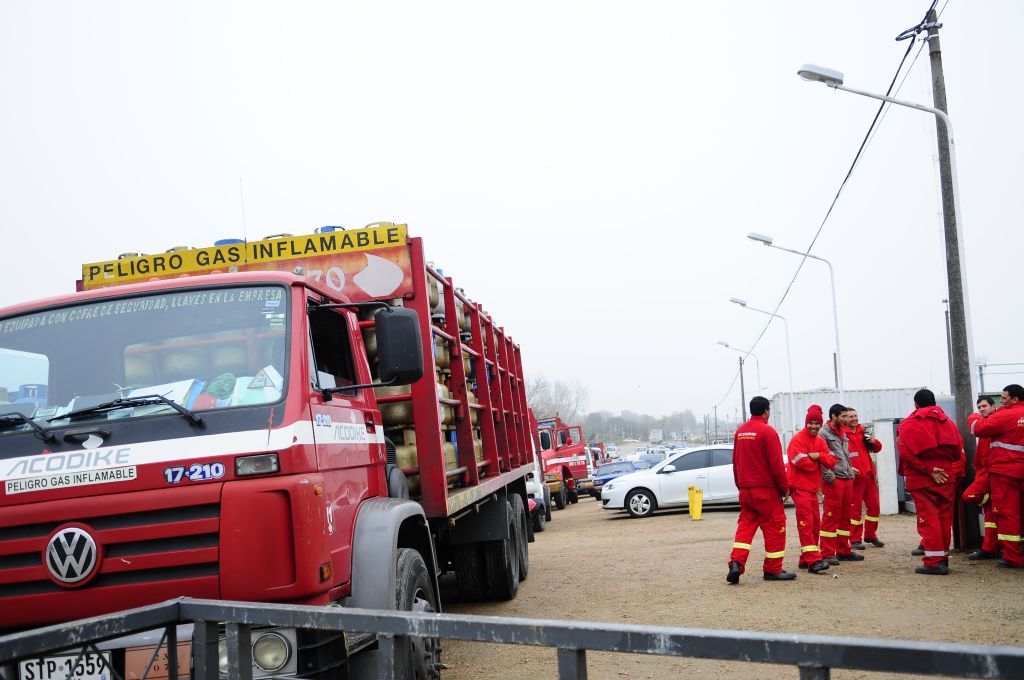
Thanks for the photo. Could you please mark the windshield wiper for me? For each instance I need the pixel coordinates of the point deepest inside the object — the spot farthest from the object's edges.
(127, 402)
(19, 418)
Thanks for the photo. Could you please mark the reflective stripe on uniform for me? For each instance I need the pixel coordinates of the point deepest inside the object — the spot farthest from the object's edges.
(1005, 445)
(1008, 537)
(798, 456)
(808, 548)
(773, 555)
(856, 522)
(990, 525)
(854, 454)
(741, 546)
(984, 499)
(842, 532)
(870, 519)
(935, 553)
(827, 534)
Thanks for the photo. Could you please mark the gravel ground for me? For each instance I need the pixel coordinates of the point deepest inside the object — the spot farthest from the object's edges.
(596, 565)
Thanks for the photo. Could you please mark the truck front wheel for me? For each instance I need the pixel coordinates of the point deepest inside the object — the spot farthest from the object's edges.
(561, 499)
(415, 657)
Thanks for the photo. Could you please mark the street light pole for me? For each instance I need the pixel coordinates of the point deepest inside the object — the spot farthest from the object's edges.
(789, 356)
(965, 386)
(757, 361)
(767, 240)
(743, 394)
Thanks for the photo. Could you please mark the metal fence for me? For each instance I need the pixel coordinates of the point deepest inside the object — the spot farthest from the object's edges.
(813, 655)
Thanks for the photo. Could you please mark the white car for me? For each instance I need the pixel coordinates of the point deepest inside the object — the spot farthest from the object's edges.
(666, 484)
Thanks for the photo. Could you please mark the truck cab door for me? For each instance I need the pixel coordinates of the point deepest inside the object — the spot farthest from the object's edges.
(347, 431)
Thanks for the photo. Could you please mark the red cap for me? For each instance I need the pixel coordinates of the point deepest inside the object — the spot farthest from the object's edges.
(814, 414)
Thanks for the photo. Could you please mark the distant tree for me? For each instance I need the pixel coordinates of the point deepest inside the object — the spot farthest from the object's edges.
(565, 400)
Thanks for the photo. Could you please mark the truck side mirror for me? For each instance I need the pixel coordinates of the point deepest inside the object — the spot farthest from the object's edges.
(399, 346)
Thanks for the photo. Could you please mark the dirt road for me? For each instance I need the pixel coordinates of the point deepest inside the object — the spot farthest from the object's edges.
(596, 565)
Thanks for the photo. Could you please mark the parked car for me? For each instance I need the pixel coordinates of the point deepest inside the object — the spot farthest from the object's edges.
(536, 490)
(666, 485)
(609, 471)
(653, 459)
(586, 485)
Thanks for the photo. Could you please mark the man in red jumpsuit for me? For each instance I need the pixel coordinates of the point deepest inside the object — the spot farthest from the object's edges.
(808, 454)
(978, 493)
(932, 460)
(838, 490)
(865, 484)
(1005, 428)
(760, 475)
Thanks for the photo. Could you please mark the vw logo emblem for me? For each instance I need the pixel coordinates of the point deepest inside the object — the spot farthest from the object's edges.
(71, 555)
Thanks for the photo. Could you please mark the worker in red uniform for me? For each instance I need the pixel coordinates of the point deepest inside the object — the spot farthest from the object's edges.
(979, 493)
(760, 475)
(838, 491)
(865, 484)
(1005, 428)
(808, 455)
(932, 460)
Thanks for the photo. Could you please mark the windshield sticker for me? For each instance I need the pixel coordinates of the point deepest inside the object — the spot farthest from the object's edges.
(70, 479)
(98, 310)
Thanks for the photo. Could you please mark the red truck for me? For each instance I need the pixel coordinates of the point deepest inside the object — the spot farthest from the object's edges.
(259, 421)
(564, 457)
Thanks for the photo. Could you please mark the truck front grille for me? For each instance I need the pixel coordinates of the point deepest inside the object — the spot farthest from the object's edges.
(144, 537)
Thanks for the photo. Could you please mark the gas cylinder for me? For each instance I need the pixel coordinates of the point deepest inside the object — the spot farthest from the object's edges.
(396, 412)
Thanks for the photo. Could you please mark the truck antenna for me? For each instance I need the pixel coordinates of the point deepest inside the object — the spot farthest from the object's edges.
(241, 196)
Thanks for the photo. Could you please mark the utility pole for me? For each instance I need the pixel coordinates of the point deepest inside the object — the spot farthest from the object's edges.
(716, 423)
(743, 394)
(969, 533)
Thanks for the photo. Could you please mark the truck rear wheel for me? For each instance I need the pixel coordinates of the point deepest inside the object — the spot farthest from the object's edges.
(418, 658)
(539, 522)
(501, 559)
(469, 571)
(522, 528)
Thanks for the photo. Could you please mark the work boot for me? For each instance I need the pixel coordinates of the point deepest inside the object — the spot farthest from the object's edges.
(1009, 565)
(818, 567)
(780, 576)
(834, 561)
(852, 557)
(735, 570)
(802, 565)
(875, 542)
(857, 545)
(980, 554)
(918, 551)
(939, 570)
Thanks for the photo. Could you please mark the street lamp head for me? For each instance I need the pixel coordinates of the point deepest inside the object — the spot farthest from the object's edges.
(723, 343)
(754, 236)
(737, 301)
(820, 74)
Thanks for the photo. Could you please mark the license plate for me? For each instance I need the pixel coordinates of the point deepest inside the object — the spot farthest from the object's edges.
(136, 658)
(89, 667)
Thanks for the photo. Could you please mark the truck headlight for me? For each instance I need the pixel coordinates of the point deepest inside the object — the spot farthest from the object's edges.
(222, 656)
(271, 651)
(551, 477)
(261, 464)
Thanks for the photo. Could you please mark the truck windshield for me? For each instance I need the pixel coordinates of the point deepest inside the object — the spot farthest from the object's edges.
(203, 349)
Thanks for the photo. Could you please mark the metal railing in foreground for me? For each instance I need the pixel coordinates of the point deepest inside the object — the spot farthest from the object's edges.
(813, 655)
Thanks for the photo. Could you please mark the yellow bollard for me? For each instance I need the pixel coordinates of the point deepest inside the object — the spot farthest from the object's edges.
(696, 495)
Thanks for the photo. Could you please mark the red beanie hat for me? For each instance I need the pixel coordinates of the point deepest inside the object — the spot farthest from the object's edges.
(814, 413)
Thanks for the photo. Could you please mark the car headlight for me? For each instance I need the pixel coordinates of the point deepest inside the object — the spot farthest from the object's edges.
(271, 651)
(609, 486)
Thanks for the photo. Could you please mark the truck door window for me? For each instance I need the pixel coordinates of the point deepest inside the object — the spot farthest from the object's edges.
(545, 440)
(332, 364)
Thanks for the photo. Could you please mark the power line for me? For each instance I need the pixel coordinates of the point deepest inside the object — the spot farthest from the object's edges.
(879, 115)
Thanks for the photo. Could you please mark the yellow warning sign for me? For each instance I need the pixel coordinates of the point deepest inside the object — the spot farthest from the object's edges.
(241, 256)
